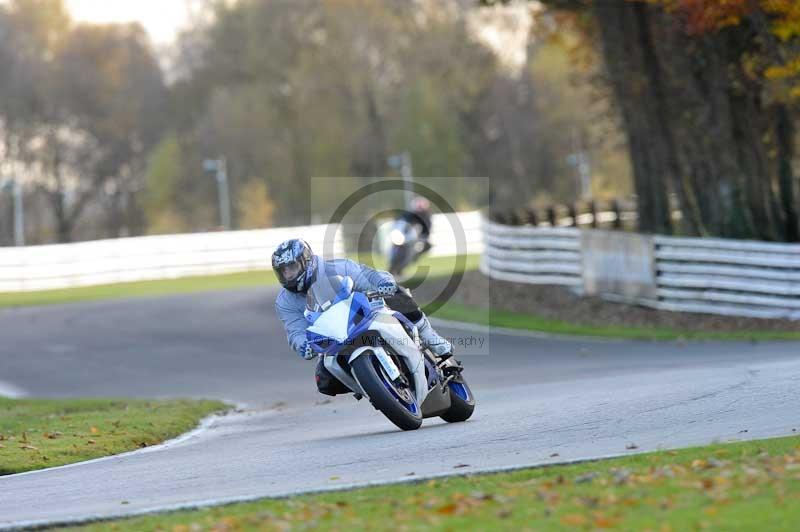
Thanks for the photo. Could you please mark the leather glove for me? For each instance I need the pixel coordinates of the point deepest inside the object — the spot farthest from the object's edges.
(387, 288)
(306, 352)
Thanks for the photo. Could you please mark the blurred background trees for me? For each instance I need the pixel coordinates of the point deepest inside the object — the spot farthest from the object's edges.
(110, 137)
(688, 104)
(81, 108)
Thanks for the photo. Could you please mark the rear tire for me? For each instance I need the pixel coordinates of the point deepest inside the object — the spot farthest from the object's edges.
(381, 397)
(461, 409)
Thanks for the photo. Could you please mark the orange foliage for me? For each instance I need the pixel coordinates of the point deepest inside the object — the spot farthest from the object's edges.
(708, 16)
(712, 15)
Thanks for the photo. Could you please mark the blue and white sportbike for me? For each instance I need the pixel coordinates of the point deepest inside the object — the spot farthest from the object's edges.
(375, 352)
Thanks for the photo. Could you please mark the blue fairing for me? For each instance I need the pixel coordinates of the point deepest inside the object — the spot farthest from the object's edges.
(362, 314)
(460, 390)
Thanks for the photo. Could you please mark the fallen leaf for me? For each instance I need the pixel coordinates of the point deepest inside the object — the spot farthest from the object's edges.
(91, 442)
(448, 509)
(334, 478)
(601, 521)
(28, 447)
(574, 520)
(94, 430)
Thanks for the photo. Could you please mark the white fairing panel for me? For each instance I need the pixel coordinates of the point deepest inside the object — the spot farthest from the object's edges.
(394, 334)
(333, 322)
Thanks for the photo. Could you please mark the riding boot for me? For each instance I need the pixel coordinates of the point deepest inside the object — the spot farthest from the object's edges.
(431, 339)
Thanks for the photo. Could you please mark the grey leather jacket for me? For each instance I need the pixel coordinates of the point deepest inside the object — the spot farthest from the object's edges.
(290, 306)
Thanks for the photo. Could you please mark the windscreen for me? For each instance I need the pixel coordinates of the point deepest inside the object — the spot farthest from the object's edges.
(325, 290)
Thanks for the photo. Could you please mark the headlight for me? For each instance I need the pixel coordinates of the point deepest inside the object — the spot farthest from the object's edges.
(397, 237)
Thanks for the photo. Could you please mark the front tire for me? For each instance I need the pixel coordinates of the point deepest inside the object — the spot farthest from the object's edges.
(369, 374)
(462, 402)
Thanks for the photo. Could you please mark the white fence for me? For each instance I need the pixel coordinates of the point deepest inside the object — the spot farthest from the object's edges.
(730, 277)
(173, 256)
(727, 277)
(532, 255)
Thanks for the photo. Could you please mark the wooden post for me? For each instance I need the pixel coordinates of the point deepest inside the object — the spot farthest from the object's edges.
(618, 220)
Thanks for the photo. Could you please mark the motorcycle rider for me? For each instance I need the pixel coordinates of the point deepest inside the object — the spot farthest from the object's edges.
(297, 268)
(419, 213)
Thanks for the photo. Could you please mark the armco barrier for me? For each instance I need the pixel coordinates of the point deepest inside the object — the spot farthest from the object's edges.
(532, 255)
(715, 276)
(173, 256)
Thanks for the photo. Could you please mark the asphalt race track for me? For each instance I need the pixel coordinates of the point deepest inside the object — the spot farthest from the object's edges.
(539, 400)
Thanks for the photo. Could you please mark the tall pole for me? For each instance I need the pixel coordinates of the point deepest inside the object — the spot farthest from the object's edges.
(13, 185)
(19, 215)
(224, 193)
(220, 169)
(407, 171)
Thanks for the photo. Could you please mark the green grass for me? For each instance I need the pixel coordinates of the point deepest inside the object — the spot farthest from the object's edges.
(438, 267)
(138, 289)
(430, 267)
(39, 433)
(515, 320)
(741, 486)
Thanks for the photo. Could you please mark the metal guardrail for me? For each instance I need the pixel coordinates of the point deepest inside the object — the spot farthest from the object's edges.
(532, 254)
(714, 276)
(100, 262)
(728, 277)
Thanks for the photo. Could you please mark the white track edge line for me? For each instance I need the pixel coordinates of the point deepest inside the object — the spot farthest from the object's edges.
(204, 424)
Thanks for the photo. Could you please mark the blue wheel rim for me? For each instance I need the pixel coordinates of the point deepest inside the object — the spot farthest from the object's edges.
(410, 406)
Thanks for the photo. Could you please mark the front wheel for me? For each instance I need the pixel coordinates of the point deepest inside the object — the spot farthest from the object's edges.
(462, 402)
(397, 404)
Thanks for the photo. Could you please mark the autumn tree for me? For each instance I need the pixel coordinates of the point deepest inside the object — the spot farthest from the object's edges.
(708, 94)
(80, 109)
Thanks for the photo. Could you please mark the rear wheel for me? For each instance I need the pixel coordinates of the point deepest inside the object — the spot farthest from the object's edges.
(395, 402)
(462, 402)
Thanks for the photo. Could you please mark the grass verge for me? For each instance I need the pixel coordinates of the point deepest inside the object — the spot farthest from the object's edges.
(437, 267)
(138, 289)
(741, 486)
(39, 433)
(529, 322)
